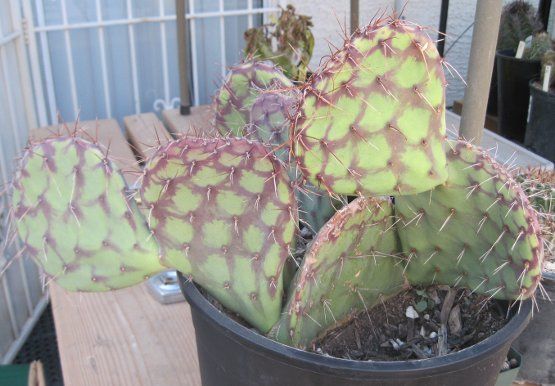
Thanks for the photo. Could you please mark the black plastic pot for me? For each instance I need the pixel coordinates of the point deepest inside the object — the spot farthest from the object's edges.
(541, 121)
(492, 97)
(513, 94)
(231, 354)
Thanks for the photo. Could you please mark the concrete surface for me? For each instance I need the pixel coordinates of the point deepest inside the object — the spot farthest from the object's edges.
(537, 343)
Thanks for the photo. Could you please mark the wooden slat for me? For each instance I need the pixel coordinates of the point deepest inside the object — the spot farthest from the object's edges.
(198, 122)
(123, 337)
(145, 132)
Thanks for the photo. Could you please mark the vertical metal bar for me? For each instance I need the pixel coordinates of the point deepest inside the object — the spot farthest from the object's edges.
(18, 144)
(26, 329)
(8, 89)
(480, 66)
(163, 43)
(183, 55)
(398, 6)
(23, 69)
(15, 125)
(250, 17)
(46, 62)
(442, 26)
(69, 53)
(9, 304)
(36, 73)
(222, 40)
(354, 15)
(544, 8)
(133, 53)
(194, 52)
(103, 62)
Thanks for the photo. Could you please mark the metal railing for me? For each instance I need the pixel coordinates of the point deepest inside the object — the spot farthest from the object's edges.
(42, 63)
(21, 297)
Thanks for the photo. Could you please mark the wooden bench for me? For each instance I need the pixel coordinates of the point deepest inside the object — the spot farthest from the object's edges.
(125, 337)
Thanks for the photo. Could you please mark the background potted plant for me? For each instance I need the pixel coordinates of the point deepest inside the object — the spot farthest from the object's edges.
(222, 211)
(288, 42)
(539, 132)
(519, 20)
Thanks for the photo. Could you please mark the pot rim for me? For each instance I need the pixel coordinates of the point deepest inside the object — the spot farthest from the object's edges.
(510, 55)
(533, 86)
(305, 359)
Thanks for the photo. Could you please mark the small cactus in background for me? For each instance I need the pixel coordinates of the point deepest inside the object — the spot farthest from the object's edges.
(519, 20)
(288, 42)
(539, 45)
(370, 121)
(539, 186)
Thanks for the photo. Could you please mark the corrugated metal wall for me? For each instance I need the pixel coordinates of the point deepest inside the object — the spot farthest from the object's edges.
(20, 287)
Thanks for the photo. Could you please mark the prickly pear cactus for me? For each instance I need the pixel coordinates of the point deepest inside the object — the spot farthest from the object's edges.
(477, 230)
(372, 119)
(316, 207)
(73, 216)
(350, 267)
(269, 121)
(288, 42)
(224, 213)
(539, 45)
(519, 20)
(244, 83)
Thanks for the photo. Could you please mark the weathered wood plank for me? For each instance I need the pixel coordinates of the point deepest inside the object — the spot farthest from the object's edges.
(198, 122)
(145, 132)
(123, 337)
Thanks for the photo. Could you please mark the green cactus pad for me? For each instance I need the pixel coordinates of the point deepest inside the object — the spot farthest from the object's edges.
(372, 118)
(477, 230)
(224, 214)
(75, 220)
(350, 266)
(269, 121)
(315, 206)
(244, 83)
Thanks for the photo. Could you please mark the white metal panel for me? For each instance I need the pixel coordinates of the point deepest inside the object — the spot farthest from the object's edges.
(57, 55)
(20, 289)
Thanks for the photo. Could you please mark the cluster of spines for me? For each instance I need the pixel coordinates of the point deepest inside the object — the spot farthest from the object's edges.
(70, 209)
(348, 128)
(352, 264)
(225, 214)
(335, 68)
(500, 258)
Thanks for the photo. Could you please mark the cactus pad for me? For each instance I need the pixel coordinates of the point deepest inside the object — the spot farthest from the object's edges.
(269, 122)
(244, 83)
(315, 206)
(477, 230)
(349, 267)
(224, 214)
(372, 118)
(74, 218)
